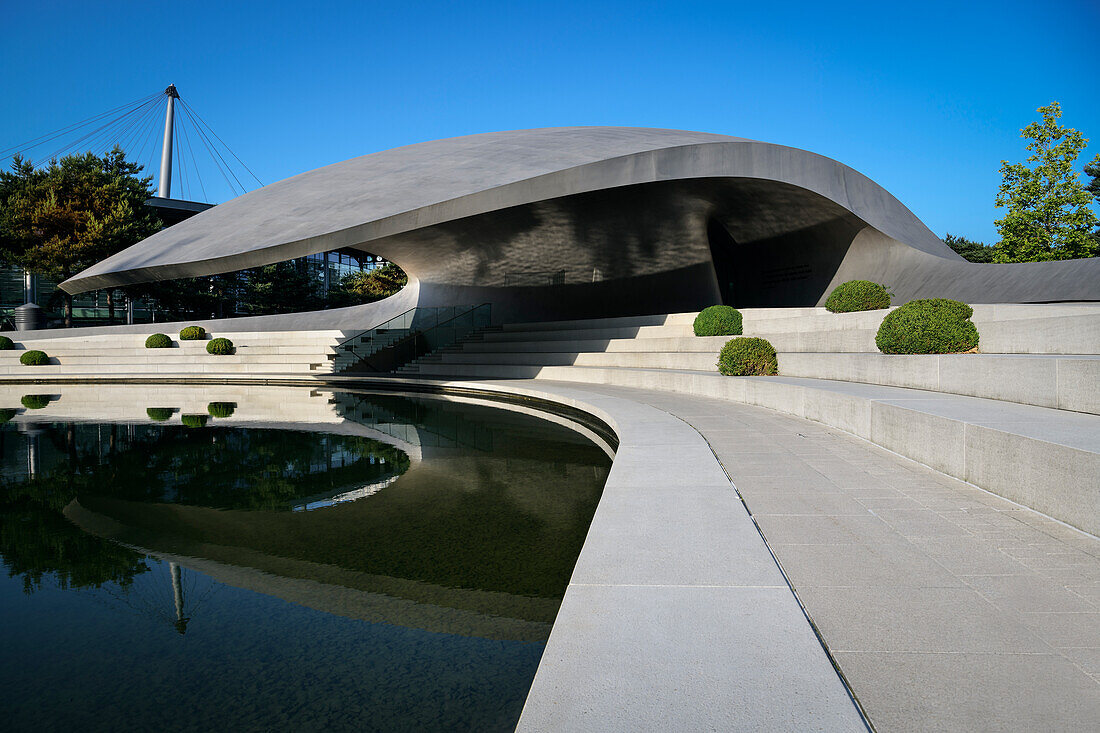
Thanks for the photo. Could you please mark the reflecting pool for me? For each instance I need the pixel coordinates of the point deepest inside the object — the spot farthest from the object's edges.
(261, 558)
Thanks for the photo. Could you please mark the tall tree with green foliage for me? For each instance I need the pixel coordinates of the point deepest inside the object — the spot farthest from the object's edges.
(1049, 215)
(65, 217)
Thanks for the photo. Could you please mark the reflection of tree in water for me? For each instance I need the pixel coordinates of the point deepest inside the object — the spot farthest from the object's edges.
(37, 542)
(224, 468)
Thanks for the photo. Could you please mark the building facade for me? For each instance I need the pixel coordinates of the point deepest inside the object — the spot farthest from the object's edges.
(595, 221)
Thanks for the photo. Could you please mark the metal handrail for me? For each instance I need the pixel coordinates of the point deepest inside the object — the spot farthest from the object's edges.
(375, 328)
(418, 341)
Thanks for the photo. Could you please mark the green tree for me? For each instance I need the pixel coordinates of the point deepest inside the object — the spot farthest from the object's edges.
(1048, 214)
(970, 250)
(1092, 170)
(285, 287)
(371, 285)
(65, 217)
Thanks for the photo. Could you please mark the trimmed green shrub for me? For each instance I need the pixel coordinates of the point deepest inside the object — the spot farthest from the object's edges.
(718, 320)
(221, 409)
(857, 295)
(193, 333)
(194, 421)
(160, 414)
(219, 347)
(158, 341)
(6, 414)
(33, 358)
(6, 344)
(931, 326)
(746, 357)
(35, 401)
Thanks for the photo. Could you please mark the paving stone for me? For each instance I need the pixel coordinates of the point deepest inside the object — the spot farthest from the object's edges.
(915, 619)
(972, 692)
(1028, 593)
(861, 565)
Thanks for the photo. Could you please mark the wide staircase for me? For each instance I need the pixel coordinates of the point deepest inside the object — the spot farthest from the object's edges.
(1020, 418)
(259, 353)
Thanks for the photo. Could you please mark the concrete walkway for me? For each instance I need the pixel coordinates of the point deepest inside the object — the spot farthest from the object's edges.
(945, 607)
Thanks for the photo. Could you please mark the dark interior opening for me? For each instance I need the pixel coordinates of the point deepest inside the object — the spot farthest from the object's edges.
(723, 250)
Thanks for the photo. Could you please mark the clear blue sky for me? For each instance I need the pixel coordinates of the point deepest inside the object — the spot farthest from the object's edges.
(925, 98)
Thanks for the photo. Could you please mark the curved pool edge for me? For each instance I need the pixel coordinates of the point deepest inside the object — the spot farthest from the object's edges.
(677, 614)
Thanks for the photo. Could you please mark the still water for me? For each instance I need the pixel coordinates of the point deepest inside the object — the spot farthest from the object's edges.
(280, 559)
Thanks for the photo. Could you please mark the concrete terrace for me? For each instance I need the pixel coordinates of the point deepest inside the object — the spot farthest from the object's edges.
(767, 549)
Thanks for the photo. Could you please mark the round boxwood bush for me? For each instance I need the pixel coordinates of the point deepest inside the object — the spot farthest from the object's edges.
(857, 295)
(746, 357)
(33, 358)
(160, 414)
(219, 346)
(221, 409)
(718, 320)
(193, 333)
(931, 326)
(6, 414)
(35, 401)
(194, 421)
(158, 341)
(6, 343)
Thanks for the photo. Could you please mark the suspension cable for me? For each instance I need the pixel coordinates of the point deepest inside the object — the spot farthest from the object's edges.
(42, 139)
(224, 143)
(198, 172)
(132, 127)
(213, 154)
(107, 125)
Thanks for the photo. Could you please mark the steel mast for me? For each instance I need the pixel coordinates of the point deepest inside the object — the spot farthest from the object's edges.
(164, 187)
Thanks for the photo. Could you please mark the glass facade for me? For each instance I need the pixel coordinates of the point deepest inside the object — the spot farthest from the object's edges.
(333, 266)
(90, 309)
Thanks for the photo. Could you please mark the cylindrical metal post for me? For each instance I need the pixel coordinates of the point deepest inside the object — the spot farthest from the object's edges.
(164, 187)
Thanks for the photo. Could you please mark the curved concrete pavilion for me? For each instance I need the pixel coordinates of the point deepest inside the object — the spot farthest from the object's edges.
(585, 221)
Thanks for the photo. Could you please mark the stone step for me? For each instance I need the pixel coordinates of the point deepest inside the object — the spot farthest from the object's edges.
(211, 365)
(1058, 381)
(60, 334)
(835, 341)
(165, 357)
(1003, 328)
(82, 344)
(589, 333)
(671, 319)
(1061, 382)
(191, 348)
(1070, 334)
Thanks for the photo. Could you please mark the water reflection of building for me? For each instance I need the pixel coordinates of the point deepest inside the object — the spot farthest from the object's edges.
(403, 554)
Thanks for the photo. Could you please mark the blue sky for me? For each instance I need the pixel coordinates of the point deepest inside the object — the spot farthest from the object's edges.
(925, 98)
